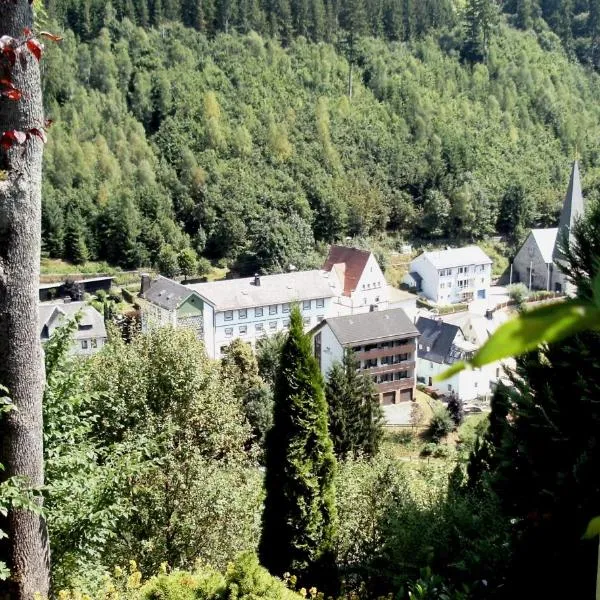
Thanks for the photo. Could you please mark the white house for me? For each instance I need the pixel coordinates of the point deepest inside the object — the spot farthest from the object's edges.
(537, 261)
(441, 345)
(451, 276)
(90, 335)
(384, 343)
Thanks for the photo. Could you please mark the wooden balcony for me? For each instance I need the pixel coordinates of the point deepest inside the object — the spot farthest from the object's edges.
(401, 384)
(406, 365)
(391, 351)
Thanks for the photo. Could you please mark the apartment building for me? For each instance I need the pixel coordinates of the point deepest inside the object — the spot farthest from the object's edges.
(384, 343)
(451, 276)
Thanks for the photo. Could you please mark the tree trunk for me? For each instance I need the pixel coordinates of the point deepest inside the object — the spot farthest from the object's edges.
(21, 368)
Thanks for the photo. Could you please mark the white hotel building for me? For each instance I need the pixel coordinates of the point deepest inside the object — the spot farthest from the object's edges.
(250, 308)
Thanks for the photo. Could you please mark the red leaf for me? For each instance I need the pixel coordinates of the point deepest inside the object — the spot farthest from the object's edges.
(35, 48)
(10, 54)
(26, 32)
(51, 36)
(39, 133)
(7, 83)
(13, 94)
(12, 137)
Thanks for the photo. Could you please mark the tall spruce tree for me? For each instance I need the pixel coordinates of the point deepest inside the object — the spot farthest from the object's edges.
(299, 518)
(355, 416)
(545, 451)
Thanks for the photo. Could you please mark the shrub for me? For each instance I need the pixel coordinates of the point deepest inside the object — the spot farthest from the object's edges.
(456, 410)
(518, 292)
(441, 424)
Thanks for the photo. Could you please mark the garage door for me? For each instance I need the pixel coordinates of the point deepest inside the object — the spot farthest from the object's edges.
(389, 397)
(405, 395)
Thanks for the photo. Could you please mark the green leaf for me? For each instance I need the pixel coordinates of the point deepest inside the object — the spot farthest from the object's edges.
(453, 370)
(596, 288)
(593, 529)
(543, 325)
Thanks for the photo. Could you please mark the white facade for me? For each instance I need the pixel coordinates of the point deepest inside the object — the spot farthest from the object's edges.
(370, 290)
(253, 323)
(453, 276)
(467, 385)
(331, 350)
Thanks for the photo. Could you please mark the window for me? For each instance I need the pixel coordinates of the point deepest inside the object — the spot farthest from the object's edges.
(258, 312)
(306, 320)
(386, 360)
(273, 309)
(377, 299)
(272, 325)
(286, 322)
(259, 327)
(84, 344)
(320, 318)
(285, 307)
(243, 329)
(243, 313)
(94, 343)
(228, 315)
(306, 305)
(431, 365)
(400, 375)
(228, 331)
(320, 302)
(497, 372)
(449, 388)
(475, 384)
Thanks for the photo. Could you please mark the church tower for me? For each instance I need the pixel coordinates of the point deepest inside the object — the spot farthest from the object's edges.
(572, 210)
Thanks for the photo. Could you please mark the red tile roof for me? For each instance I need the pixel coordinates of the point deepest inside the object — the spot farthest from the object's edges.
(354, 262)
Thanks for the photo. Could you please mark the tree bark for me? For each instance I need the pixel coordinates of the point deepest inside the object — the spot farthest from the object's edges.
(21, 367)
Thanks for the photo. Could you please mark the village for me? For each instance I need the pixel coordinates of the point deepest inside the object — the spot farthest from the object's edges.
(402, 337)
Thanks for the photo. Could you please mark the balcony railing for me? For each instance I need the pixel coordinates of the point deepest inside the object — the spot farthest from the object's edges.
(390, 351)
(405, 365)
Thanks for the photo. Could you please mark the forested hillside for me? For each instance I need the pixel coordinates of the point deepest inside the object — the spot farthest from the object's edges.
(251, 148)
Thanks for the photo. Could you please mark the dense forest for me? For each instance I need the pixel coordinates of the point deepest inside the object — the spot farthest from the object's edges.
(253, 147)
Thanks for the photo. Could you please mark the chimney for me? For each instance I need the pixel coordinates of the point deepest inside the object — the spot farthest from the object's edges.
(146, 281)
(257, 279)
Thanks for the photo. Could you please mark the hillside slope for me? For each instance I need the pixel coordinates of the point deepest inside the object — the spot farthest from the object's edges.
(251, 152)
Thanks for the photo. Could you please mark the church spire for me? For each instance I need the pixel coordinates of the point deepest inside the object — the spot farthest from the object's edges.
(572, 209)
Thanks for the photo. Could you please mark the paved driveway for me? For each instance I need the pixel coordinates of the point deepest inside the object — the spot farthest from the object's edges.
(397, 414)
(497, 295)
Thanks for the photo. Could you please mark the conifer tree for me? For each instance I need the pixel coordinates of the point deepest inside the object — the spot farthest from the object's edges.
(299, 518)
(355, 415)
(75, 244)
(544, 455)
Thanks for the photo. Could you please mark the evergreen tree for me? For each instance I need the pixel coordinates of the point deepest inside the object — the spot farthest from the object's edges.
(355, 416)
(299, 518)
(545, 451)
(53, 228)
(593, 26)
(480, 17)
(187, 260)
(75, 238)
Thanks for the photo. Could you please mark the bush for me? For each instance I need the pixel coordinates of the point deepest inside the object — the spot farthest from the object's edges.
(428, 449)
(441, 424)
(456, 410)
(518, 292)
(244, 579)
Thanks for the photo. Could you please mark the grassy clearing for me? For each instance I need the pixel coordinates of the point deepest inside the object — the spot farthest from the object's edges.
(499, 253)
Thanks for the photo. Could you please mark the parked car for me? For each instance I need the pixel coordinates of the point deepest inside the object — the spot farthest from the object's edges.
(471, 409)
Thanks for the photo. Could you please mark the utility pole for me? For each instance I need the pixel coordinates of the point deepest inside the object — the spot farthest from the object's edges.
(530, 273)
(548, 278)
(510, 280)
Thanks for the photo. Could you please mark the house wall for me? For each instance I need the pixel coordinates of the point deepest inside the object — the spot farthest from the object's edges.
(87, 346)
(430, 275)
(331, 350)
(467, 385)
(371, 288)
(529, 255)
(257, 325)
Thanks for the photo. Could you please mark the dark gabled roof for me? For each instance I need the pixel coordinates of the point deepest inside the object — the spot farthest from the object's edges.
(572, 209)
(417, 278)
(354, 262)
(371, 326)
(166, 293)
(438, 337)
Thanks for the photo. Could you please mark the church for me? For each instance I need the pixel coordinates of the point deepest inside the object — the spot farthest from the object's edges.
(536, 262)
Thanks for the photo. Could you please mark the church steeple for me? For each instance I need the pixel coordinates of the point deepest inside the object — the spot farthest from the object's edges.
(572, 209)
